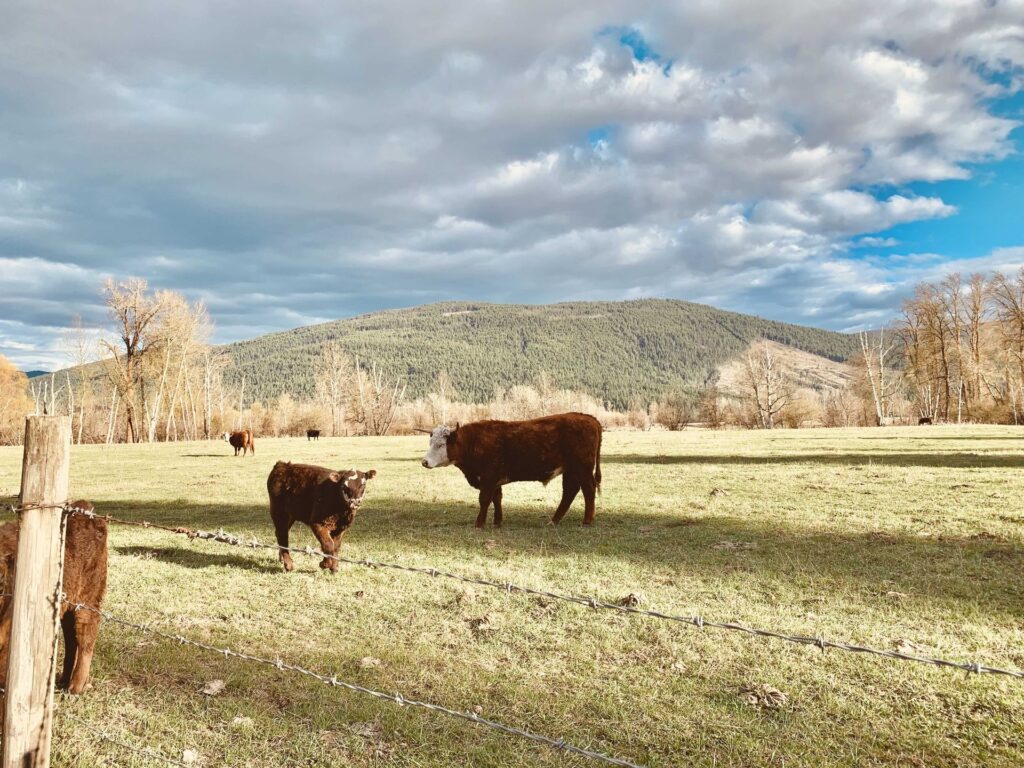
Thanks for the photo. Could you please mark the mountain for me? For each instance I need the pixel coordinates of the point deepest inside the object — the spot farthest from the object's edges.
(613, 350)
(34, 374)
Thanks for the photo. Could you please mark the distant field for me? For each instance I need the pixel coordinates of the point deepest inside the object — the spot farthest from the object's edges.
(878, 536)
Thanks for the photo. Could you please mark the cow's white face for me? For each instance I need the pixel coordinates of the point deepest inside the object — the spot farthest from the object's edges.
(437, 453)
(226, 436)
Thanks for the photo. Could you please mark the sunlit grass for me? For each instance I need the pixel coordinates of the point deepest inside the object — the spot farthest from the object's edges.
(872, 536)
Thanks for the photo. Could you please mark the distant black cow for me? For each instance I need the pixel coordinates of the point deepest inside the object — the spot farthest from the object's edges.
(493, 453)
(324, 499)
(924, 420)
(312, 434)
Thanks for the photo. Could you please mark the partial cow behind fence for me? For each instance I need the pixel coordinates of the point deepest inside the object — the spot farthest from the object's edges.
(85, 581)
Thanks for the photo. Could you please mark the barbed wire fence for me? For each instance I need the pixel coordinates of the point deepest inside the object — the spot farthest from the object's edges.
(223, 537)
(561, 745)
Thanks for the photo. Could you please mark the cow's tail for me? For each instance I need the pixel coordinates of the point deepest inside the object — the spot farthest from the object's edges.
(597, 465)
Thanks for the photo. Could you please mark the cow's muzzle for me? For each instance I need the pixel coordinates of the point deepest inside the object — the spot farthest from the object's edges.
(426, 464)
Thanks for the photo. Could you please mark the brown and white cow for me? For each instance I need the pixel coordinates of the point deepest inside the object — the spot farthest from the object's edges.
(241, 441)
(494, 453)
(324, 499)
(85, 582)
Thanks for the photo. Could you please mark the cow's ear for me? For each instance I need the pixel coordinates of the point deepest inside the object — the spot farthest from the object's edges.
(334, 477)
(371, 474)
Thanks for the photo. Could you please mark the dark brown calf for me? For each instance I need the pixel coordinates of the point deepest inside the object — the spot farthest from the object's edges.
(85, 581)
(493, 453)
(324, 499)
(241, 441)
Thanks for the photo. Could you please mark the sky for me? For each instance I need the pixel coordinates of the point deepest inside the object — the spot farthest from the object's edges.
(293, 163)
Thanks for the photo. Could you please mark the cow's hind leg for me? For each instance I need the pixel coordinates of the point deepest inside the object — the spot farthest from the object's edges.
(281, 527)
(497, 507)
(67, 625)
(589, 491)
(570, 487)
(486, 495)
(86, 627)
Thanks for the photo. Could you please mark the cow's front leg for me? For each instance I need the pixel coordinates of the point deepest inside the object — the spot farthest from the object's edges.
(282, 524)
(497, 507)
(486, 495)
(327, 546)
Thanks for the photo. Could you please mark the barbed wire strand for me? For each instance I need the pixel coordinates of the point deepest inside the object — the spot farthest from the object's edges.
(558, 744)
(698, 621)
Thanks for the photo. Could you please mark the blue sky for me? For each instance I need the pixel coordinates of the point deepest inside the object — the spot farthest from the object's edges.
(296, 164)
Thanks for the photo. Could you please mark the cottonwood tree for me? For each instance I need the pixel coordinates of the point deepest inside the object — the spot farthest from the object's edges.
(879, 379)
(768, 390)
(333, 382)
(133, 311)
(375, 399)
(14, 402)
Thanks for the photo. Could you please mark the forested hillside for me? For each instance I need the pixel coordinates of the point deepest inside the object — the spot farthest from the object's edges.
(617, 351)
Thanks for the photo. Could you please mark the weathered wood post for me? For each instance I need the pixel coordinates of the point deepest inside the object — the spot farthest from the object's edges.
(32, 660)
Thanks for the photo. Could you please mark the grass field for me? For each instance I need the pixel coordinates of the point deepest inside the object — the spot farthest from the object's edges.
(909, 538)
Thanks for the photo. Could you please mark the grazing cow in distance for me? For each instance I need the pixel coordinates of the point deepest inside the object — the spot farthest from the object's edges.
(924, 420)
(324, 499)
(493, 453)
(241, 441)
(312, 434)
(84, 581)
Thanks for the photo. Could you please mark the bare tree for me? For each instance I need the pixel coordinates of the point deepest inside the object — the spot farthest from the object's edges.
(880, 382)
(332, 378)
(767, 387)
(375, 400)
(133, 310)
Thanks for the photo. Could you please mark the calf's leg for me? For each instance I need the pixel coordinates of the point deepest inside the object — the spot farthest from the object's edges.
(67, 625)
(486, 495)
(281, 527)
(570, 487)
(497, 507)
(327, 546)
(86, 627)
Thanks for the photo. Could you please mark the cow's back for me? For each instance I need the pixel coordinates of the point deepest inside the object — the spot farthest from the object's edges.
(534, 448)
(85, 558)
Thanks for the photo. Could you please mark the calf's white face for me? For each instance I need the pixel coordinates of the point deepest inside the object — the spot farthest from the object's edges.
(225, 436)
(437, 452)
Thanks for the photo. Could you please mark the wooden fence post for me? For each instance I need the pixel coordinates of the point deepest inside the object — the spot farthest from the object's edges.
(32, 658)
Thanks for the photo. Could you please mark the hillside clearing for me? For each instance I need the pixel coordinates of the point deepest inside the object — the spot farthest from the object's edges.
(894, 538)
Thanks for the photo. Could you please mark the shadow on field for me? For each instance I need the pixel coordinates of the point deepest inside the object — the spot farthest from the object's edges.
(902, 459)
(190, 557)
(976, 572)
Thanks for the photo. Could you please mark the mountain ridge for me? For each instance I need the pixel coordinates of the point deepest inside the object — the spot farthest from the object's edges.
(617, 351)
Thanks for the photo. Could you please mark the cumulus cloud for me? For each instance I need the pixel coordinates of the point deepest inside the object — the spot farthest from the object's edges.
(297, 163)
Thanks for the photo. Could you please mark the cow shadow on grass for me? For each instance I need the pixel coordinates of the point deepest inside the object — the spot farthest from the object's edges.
(980, 572)
(192, 557)
(902, 459)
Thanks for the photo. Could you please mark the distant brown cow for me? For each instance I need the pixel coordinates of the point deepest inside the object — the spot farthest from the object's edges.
(312, 434)
(241, 441)
(85, 581)
(493, 453)
(324, 499)
(924, 420)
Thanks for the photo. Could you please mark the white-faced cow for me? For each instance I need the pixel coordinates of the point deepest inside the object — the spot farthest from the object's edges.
(493, 453)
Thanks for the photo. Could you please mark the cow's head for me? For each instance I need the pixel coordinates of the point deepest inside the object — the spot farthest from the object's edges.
(226, 436)
(351, 485)
(437, 451)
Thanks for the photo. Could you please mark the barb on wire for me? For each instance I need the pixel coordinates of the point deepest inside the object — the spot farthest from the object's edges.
(105, 736)
(332, 680)
(698, 621)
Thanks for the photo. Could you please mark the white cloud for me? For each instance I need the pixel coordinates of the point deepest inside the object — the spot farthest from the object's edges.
(505, 151)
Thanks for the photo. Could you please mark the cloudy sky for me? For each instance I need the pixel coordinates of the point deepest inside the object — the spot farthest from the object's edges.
(298, 162)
